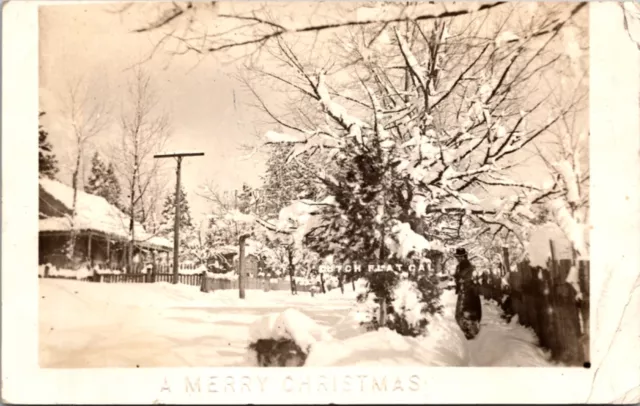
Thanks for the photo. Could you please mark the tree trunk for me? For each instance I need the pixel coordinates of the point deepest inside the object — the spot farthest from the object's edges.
(436, 258)
(383, 312)
(89, 253)
(132, 210)
(71, 250)
(154, 270)
(132, 230)
(291, 271)
(322, 289)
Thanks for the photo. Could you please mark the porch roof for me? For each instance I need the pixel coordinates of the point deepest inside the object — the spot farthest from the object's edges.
(93, 213)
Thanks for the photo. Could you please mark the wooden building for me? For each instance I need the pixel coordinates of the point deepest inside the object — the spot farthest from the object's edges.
(102, 232)
(224, 258)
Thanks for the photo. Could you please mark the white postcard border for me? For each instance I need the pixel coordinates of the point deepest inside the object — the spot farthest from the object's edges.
(615, 348)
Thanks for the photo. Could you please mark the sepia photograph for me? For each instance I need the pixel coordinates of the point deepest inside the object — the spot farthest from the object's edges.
(313, 184)
(327, 202)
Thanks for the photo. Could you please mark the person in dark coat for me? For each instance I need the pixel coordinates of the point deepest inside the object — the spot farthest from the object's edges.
(468, 305)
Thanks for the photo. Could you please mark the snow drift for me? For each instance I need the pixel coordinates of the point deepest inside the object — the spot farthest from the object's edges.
(347, 343)
(290, 324)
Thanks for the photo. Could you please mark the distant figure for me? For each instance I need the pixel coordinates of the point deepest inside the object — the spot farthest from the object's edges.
(468, 305)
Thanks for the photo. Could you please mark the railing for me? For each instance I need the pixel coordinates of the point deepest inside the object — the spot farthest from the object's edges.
(121, 278)
(213, 284)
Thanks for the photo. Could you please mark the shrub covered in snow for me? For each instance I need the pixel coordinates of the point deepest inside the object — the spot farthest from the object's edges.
(408, 302)
(284, 339)
(277, 352)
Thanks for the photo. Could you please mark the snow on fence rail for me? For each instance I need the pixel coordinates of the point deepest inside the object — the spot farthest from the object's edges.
(194, 280)
(213, 281)
(554, 302)
(213, 284)
(184, 269)
(49, 271)
(121, 278)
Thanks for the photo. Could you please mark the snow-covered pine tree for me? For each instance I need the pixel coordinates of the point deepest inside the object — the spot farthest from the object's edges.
(168, 212)
(246, 199)
(97, 177)
(166, 226)
(103, 181)
(368, 223)
(113, 190)
(47, 162)
(284, 181)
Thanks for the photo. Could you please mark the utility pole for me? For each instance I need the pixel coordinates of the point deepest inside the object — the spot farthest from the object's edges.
(241, 264)
(176, 220)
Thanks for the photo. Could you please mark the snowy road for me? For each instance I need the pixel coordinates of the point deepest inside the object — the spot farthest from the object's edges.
(161, 325)
(133, 325)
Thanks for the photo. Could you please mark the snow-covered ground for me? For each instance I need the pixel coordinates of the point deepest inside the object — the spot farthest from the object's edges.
(152, 325)
(85, 324)
(498, 344)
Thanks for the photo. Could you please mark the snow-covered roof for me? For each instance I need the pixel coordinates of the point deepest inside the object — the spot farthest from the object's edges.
(93, 213)
(160, 242)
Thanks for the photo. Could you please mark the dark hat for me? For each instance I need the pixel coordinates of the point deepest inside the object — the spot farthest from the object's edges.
(460, 252)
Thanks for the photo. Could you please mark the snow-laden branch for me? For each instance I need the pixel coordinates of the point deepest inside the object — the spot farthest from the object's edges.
(266, 29)
(417, 70)
(404, 241)
(406, 168)
(273, 137)
(574, 230)
(336, 111)
(570, 179)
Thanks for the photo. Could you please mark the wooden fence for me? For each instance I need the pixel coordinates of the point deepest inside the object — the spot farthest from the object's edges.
(149, 278)
(121, 278)
(210, 284)
(544, 301)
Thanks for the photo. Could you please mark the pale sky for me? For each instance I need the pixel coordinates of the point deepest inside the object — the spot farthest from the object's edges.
(208, 107)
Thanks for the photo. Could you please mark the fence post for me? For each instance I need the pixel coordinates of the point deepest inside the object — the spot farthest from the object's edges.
(241, 264)
(203, 282)
(571, 317)
(584, 310)
(505, 259)
(523, 270)
(552, 249)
